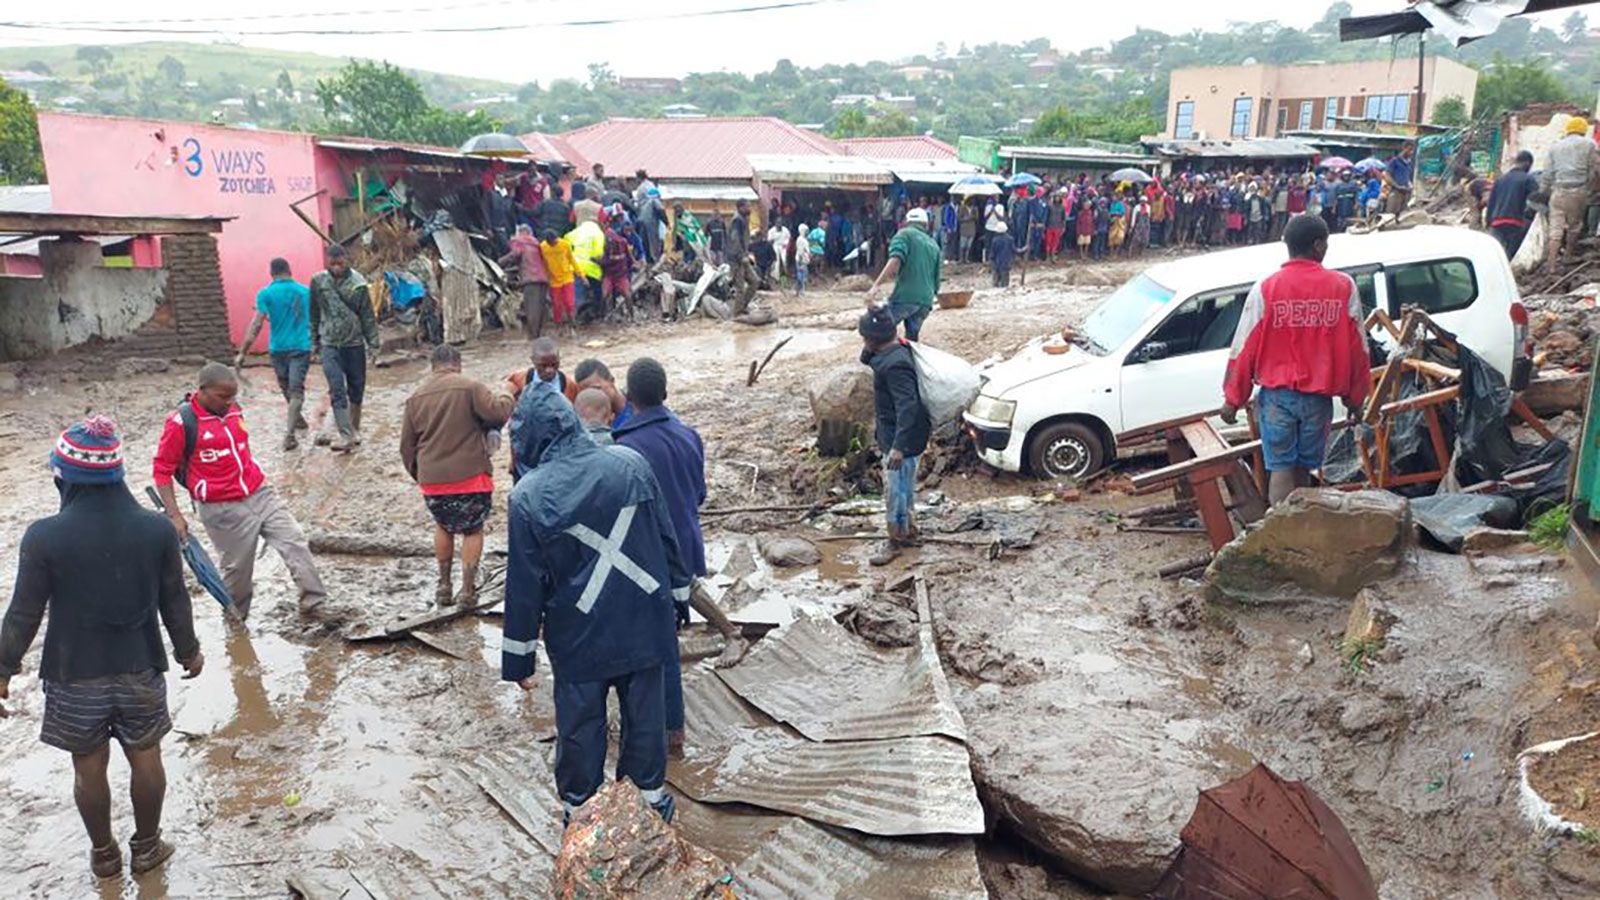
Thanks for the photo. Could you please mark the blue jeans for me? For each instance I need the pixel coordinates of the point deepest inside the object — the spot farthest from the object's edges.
(346, 371)
(291, 367)
(899, 494)
(1294, 428)
(912, 316)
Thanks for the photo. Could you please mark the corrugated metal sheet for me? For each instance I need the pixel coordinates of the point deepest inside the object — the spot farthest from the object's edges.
(916, 146)
(25, 198)
(1089, 155)
(554, 148)
(802, 859)
(808, 169)
(709, 148)
(1254, 148)
(930, 171)
(706, 190)
(522, 785)
(900, 786)
(832, 686)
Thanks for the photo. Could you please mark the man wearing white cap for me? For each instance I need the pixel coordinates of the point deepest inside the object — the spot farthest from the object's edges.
(914, 262)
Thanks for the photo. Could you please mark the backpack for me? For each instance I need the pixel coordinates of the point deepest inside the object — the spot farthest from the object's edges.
(191, 434)
(946, 382)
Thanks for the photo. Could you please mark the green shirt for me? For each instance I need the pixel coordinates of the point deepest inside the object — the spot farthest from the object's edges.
(917, 282)
(341, 313)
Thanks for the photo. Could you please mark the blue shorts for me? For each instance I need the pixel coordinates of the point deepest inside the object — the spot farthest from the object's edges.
(1294, 428)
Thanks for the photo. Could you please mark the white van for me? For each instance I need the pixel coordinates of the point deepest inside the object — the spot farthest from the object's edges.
(1157, 348)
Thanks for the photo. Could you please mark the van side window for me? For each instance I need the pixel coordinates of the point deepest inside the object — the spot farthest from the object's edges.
(1204, 322)
(1367, 287)
(1439, 286)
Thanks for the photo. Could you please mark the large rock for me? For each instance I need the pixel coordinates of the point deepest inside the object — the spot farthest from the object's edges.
(618, 847)
(790, 552)
(1318, 543)
(1551, 395)
(843, 407)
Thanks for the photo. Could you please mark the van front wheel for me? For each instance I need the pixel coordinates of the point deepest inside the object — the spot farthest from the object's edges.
(1066, 450)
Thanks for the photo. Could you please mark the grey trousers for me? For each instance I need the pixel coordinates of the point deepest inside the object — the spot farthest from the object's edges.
(237, 528)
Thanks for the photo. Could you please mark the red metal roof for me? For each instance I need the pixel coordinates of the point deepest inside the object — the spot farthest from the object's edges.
(554, 147)
(916, 146)
(710, 148)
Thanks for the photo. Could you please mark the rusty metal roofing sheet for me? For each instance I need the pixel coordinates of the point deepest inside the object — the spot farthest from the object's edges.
(899, 786)
(708, 148)
(832, 686)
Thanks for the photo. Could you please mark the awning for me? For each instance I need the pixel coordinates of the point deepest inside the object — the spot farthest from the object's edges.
(1084, 156)
(1326, 138)
(942, 172)
(706, 190)
(781, 170)
(1256, 148)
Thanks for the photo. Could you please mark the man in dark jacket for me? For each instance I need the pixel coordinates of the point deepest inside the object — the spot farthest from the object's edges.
(344, 330)
(902, 425)
(738, 244)
(1508, 204)
(104, 568)
(594, 567)
(553, 213)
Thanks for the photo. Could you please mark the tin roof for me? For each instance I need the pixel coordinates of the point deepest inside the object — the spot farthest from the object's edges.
(708, 148)
(706, 190)
(1088, 155)
(812, 169)
(915, 146)
(1251, 148)
(554, 148)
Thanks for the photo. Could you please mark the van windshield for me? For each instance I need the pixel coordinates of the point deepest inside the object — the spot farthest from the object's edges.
(1119, 316)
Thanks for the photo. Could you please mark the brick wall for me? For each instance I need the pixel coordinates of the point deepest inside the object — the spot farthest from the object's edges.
(193, 320)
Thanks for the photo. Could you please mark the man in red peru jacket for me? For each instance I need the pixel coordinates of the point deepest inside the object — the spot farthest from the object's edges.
(1300, 339)
(205, 447)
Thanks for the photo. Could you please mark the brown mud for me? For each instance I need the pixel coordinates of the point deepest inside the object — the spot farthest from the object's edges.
(1074, 666)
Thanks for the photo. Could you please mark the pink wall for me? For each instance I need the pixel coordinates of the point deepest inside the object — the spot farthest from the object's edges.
(116, 166)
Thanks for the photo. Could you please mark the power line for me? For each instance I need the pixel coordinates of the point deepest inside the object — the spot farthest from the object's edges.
(266, 17)
(440, 29)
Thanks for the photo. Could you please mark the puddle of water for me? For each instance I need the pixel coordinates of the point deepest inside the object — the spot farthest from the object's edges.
(776, 597)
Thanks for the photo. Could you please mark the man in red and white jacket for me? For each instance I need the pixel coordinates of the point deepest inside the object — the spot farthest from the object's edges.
(1300, 338)
(235, 503)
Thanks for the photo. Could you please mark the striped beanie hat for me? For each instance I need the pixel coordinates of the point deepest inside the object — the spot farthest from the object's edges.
(89, 452)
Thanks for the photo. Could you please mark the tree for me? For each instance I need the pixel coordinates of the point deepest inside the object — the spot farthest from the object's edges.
(380, 100)
(171, 70)
(1451, 112)
(98, 59)
(600, 74)
(37, 67)
(1508, 86)
(1574, 27)
(892, 124)
(20, 159)
(285, 83)
(851, 122)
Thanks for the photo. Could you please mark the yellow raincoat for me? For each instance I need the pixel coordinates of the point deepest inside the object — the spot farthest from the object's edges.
(588, 245)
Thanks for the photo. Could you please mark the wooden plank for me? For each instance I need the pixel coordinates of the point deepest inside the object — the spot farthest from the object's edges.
(1213, 513)
(1432, 369)
(1441, 451)
(1146, 431)
(1431, 398)
(73, 223)
(1520, 408)
(1163, 476)
(1203, 439)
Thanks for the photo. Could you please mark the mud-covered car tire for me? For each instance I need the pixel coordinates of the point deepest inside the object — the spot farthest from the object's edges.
(1066, 450)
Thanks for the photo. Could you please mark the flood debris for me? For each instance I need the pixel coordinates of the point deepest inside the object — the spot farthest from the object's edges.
(1320, 542)
(1448, 518)
(618, 848)
(1260, 837)
(842, 408)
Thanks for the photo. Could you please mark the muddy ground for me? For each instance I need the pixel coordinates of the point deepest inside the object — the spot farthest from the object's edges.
(1098, 697)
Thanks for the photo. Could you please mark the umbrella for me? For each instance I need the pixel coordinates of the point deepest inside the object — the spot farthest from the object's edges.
(494, 144)
(975, 186)
(1336, 162)
(1137, 176)
(1369, 164)
(1023, 179)
(1259, 837)
(199, 562)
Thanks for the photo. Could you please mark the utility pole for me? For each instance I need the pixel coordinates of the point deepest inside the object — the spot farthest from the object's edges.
(1422, 46)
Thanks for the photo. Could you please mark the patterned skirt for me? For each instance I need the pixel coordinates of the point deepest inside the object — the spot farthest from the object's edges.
(461, 513)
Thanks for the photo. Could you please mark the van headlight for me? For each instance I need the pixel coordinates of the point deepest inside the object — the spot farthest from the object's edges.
(990, 409)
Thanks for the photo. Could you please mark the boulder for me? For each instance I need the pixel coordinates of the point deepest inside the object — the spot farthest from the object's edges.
(1369, 622)
(1550, 395)
(843, 407)
(618, 847)
(790, 552)
(1320, 542)
(1480, 541)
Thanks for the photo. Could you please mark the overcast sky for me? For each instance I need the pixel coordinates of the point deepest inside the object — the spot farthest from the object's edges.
(834, 31)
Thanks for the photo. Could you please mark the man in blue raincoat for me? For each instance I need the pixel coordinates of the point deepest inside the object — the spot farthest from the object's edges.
(595, 568)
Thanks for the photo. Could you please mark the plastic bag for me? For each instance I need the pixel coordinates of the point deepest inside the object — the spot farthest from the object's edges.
(948, 384)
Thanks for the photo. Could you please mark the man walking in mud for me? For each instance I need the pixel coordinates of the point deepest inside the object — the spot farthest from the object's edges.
(594, 568)
(902, 426)
(286, 305)
(1299, 338)
(914, 261)
(343, 331)
(204, 447)
(105, 569)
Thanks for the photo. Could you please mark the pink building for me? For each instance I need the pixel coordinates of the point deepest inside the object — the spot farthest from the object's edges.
(115, 166)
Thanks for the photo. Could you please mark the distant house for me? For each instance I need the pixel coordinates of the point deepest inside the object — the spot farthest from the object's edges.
(914, 73)
(853, 100)
(682, 111)
(651, 86)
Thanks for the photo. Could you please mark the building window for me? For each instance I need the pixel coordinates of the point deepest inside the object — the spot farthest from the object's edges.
(1241, 117)
(1305, 115)
(1266, 115)
(1389, 107)
(1183, 120)
(1330, 113)
(1283, 117)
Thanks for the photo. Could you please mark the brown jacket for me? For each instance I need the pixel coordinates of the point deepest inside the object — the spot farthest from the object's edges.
(442, 439)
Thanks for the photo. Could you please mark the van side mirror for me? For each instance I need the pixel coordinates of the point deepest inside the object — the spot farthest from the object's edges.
(1150, 351)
